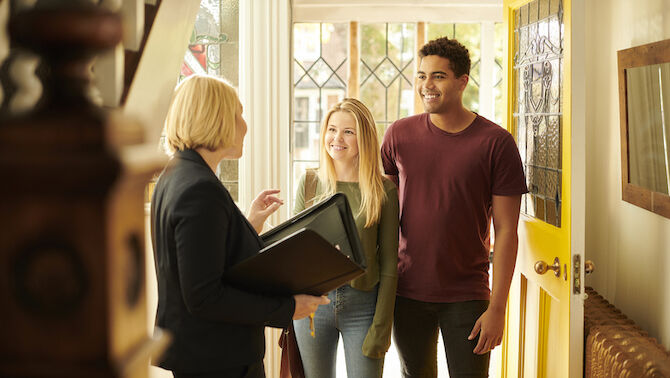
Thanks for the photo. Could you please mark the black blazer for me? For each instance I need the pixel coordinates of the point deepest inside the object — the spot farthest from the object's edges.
(198, 232)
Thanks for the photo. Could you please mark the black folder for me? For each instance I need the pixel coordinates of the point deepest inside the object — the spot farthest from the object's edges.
(301, 263)
(300, 255)
(332, 219)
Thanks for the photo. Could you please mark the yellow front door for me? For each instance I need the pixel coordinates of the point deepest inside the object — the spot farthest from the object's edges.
(543, 336)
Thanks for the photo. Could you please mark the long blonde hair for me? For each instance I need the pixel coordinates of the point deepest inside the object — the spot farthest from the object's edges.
(202, 114)
(369, 161)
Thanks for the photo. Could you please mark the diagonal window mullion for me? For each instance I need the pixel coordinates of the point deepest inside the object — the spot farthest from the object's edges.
(393, 64)
(313, 81)
(369, 69)
(380, 80)
(338, 76)
(378, 65)
(473, 66)
(405, 76)
(373, 72)
(318, 71)
(399, 72)
(303, 69)
(333, 71)
(307, 71)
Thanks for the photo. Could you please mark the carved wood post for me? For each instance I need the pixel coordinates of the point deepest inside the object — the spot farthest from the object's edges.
(72, 284)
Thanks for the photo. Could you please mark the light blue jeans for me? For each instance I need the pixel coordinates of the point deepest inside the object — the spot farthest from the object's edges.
(350, 313)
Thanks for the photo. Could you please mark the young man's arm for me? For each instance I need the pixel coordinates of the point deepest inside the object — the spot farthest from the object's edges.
(492, 322)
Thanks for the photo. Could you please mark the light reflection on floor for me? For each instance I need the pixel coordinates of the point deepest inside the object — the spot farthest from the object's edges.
(392, 362)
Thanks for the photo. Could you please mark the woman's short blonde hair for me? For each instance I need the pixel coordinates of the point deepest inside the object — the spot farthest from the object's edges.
(202, 114)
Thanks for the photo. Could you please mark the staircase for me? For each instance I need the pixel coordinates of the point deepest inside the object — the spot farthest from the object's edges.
(140, 74)
(72, 260)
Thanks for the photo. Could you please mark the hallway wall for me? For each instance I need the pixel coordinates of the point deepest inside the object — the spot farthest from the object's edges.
(629, 245)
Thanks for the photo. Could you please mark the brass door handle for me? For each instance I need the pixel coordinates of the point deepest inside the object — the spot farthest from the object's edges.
(542, 267)
(589, 267)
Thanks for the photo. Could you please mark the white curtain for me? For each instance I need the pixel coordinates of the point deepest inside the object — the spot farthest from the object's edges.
(265, 85)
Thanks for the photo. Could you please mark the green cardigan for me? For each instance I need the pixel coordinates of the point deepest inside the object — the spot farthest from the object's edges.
(380, 244)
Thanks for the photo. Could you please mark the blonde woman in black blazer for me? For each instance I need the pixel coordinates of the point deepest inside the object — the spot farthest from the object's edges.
(198, 233)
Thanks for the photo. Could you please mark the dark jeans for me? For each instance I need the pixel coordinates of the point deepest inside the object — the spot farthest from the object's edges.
(415, 330)
(255, 370)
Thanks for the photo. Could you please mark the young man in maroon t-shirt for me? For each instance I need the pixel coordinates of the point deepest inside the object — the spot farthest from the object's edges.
(454, 170)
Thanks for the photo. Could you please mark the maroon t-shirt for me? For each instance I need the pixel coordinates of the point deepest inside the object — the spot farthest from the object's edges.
(446, 184)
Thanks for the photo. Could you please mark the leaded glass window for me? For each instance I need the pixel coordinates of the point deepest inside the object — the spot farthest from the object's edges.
(538, 108)
(215, 35)
(387, 71)
(320, 72)
(213, 49)
(383, 75)
(470, 34)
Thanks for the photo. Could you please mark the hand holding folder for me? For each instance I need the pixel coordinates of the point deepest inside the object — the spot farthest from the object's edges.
(300, 257)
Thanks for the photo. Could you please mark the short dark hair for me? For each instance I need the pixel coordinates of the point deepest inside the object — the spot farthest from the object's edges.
(458, 55)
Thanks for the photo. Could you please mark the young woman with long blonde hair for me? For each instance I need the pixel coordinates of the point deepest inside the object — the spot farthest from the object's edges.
(362, 310)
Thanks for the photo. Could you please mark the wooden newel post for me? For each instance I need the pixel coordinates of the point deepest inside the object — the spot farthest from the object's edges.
(72, 260)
